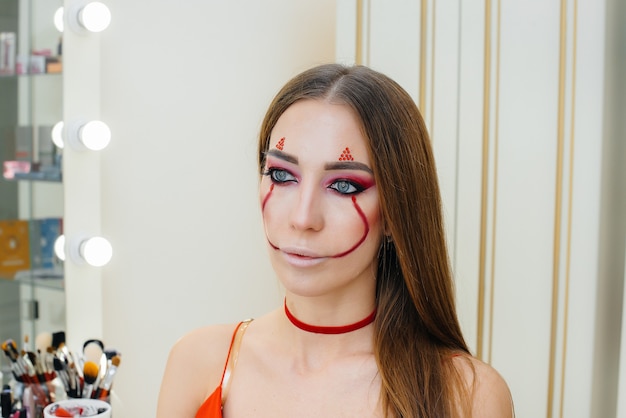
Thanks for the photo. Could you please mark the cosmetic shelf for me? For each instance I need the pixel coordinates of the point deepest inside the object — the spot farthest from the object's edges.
(42, 278)
(52, 176)
(32, 278)
(26, 75)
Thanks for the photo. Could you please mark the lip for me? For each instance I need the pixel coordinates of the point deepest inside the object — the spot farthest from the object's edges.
(299, 257)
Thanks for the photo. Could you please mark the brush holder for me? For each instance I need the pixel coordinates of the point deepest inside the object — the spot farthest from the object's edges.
(78, 408)
(36, 396)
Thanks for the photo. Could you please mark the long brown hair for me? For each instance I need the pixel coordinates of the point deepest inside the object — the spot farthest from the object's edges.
(416, 327)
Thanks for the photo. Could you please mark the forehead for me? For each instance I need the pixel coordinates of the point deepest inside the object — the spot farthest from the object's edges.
(321, 128)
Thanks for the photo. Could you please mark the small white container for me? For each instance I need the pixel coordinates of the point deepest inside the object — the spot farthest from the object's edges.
(84, 407)
(7, 53)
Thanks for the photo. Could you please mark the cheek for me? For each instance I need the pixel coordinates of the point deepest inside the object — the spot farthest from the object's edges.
(373, 218)
(358, 227)
(360, 212)
(272, 210)
(266, 193)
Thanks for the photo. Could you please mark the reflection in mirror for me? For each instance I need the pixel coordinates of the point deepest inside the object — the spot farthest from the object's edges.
(31, 192)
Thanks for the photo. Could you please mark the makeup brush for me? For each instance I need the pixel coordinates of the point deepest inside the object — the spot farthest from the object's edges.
(19, 364)
(47, 361)
(34, 365)
(93, 352)
(76, 364)
(34, 377)
(90, 373)
(111, 352)
(58, 343)
(94, 340)
(43, 341)
(73, 381)
(58, 338)
(58, 368)
(10, 349)
(105, 386)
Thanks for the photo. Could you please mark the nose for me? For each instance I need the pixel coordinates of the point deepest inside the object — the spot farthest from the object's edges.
(307, 212)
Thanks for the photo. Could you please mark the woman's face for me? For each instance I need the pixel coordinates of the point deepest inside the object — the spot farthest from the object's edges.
(320, 201)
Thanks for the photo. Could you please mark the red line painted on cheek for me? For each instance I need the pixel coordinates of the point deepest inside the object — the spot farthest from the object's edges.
(367, 230)
(265, 199)
(267, 196)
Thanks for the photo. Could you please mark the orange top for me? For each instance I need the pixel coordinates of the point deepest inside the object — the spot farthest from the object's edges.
(212, 406)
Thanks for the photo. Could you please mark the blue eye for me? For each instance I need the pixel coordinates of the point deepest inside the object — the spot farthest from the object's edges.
(346, 187)
(279, 176)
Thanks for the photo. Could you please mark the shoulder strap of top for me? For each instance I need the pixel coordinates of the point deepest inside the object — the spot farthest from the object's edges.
(233, 353)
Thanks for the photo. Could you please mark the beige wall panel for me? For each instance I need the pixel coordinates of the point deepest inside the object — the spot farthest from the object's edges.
(346, 32)
(469, 166)
(451, 107)
(393, 40)
(586, 125)
(525, 111)
(443, 106)
(525, 199)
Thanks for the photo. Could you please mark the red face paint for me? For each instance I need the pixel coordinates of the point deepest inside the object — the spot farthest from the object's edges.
(281, 144)
(267, 196)
(341, 254)
(265, 199)
(365, 232)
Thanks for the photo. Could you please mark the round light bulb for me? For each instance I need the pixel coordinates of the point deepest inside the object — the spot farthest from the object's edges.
(58, 19)
(96, 251)
(95, 135)
(59, 247)
(57, 134)
(95, 17)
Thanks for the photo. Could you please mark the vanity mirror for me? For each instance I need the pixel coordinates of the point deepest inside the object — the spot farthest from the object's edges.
(31, 193)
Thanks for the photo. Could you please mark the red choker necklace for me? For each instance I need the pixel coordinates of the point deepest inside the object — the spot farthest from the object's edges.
(330, 330)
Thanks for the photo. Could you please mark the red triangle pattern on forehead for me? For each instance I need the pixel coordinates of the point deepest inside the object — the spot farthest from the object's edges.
(346, 156)
(281, 144)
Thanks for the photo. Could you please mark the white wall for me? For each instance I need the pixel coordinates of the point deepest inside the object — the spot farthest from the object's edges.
(513, 94)
(183, 86)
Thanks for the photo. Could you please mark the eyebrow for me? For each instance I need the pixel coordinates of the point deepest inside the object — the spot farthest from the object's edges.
(282, 155)
(338, 165)
(348, 165)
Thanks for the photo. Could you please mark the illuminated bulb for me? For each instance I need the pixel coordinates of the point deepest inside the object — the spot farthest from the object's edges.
(57, 134)
(96, 251)
(58, 19)
(96, 135)
(95, 17)
(59, 247)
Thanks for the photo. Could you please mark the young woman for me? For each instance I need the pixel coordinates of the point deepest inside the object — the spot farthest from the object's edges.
(352, 216)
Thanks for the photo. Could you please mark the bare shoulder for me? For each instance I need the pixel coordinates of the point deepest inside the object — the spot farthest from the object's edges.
(491, 397)
(194, 369)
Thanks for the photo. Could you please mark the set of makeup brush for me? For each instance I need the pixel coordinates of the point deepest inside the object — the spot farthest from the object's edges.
(89, 374)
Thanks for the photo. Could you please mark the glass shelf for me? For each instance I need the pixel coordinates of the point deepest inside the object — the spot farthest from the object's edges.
(39, 278)
(54, 176)
(7, 76)
(32, 293)
(42, 278)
